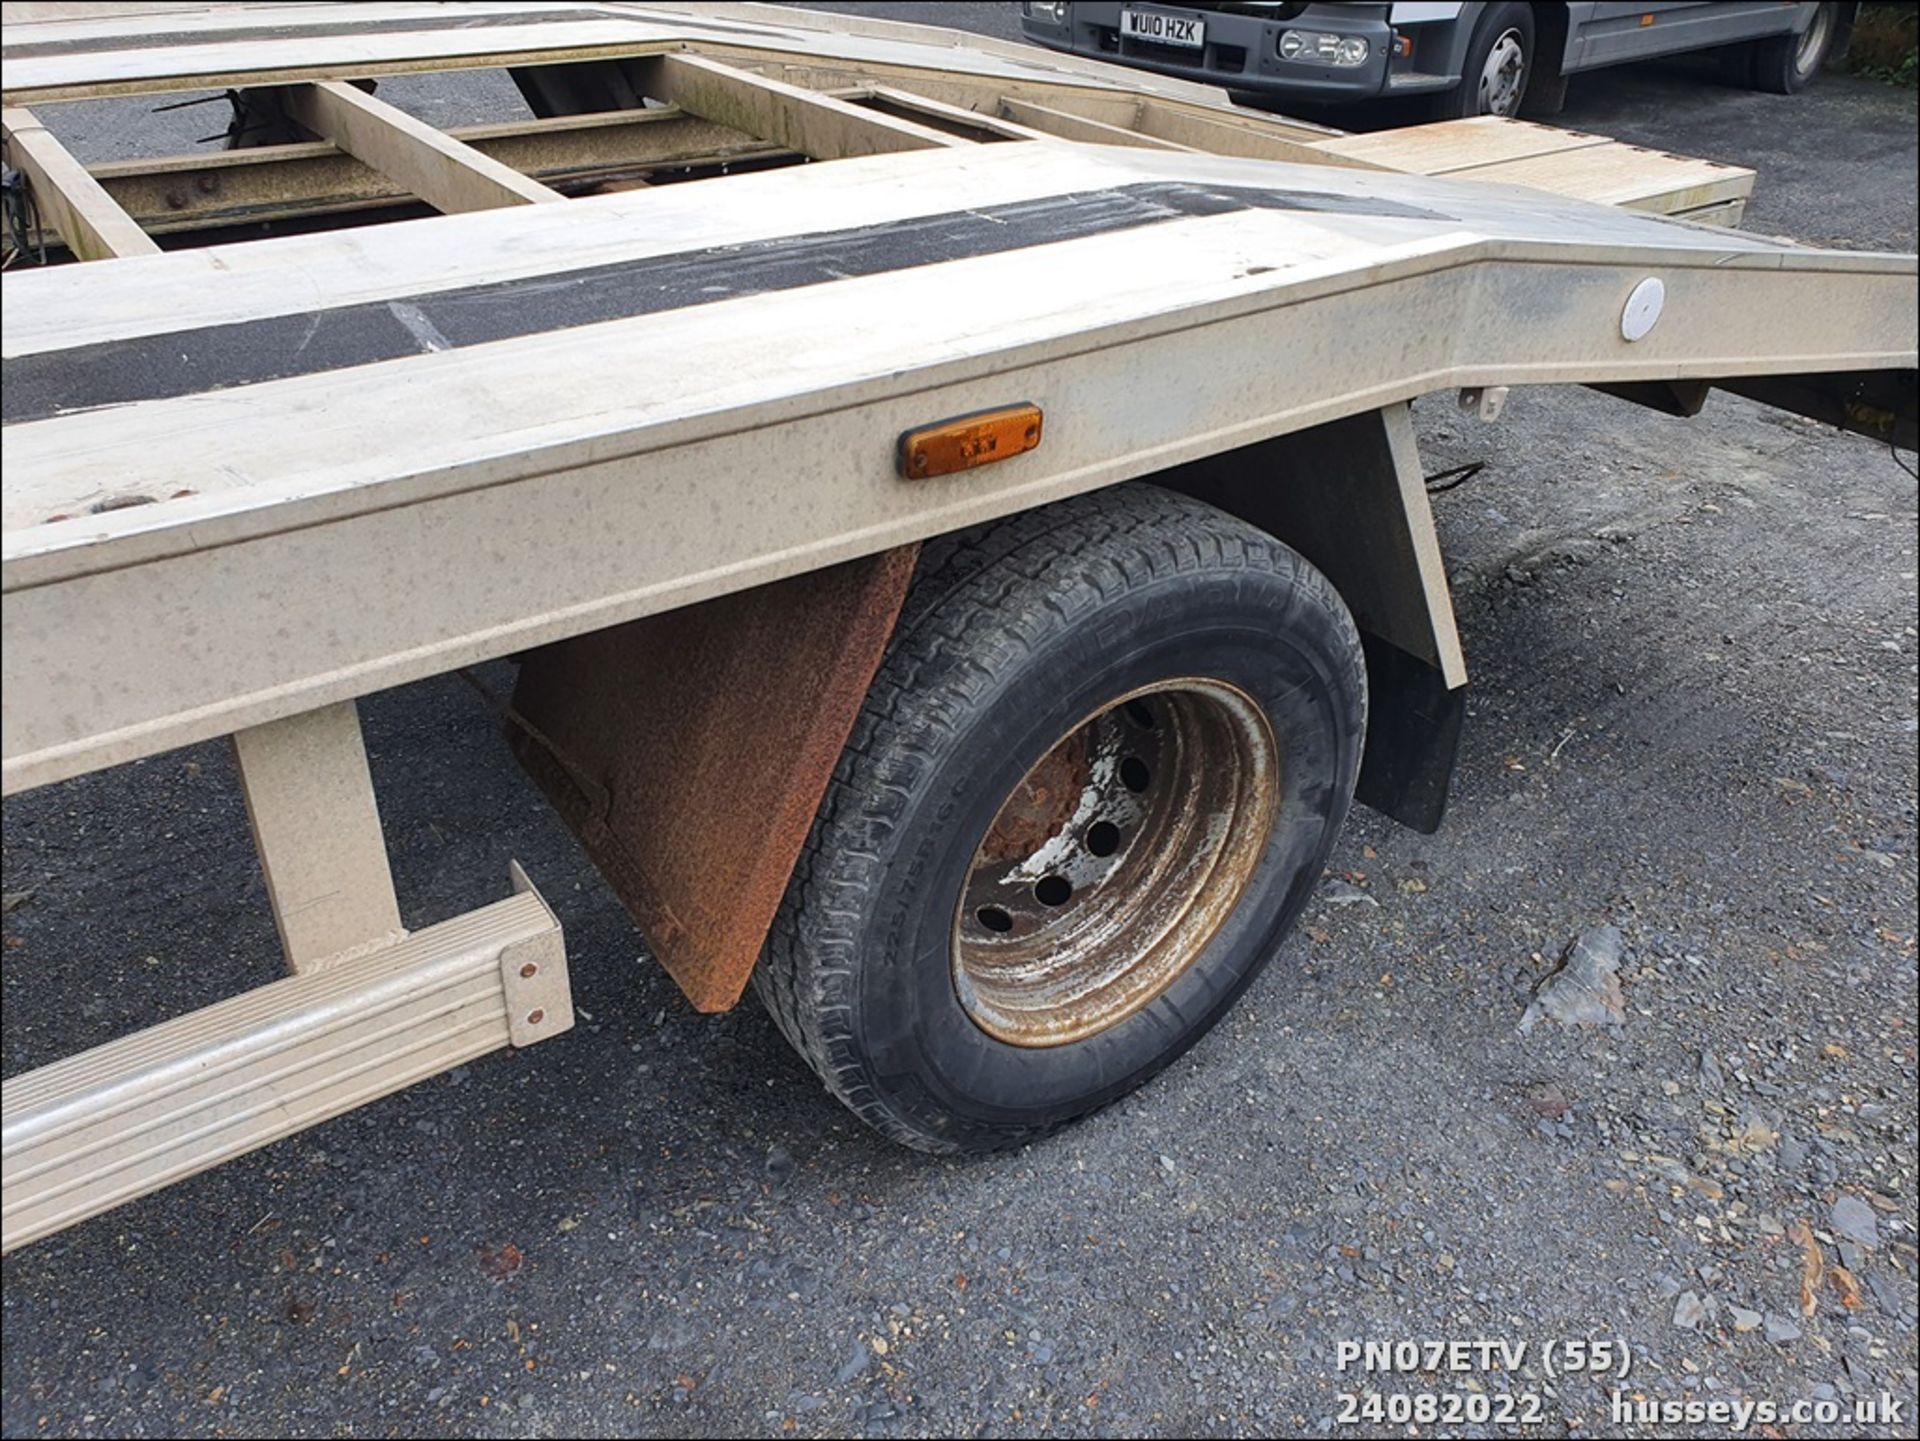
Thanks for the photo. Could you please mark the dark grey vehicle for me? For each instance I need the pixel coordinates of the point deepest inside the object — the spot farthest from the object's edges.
(1481, 58)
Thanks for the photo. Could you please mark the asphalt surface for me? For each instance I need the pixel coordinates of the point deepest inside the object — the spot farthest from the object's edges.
(1693, 718)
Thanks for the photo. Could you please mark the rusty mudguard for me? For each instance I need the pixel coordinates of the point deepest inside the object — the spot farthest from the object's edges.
(689, 751)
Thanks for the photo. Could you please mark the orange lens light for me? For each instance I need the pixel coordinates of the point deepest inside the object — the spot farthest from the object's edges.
(969, 440)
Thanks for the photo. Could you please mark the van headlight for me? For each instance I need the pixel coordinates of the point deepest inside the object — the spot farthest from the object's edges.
(1345, 51)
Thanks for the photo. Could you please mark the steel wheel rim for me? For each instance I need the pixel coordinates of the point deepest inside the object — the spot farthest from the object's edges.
(1114, 861)
(1806, 55)
(1500, 77)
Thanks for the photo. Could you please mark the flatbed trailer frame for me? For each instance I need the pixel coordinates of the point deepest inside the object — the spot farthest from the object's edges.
(642, 426)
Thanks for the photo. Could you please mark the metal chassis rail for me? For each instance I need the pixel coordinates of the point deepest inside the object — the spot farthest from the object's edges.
(1422, 324)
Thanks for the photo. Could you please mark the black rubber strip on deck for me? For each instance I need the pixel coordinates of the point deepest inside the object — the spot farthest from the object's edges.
(249, 352)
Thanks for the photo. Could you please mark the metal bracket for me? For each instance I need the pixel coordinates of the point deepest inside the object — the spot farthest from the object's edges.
(1486, 401)
(533, 977)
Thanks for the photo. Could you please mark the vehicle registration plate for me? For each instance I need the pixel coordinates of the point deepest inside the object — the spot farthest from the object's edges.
(1187, 31)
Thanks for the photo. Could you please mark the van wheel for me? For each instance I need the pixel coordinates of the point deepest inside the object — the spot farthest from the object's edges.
(1787, 64)
(1092, 785)
(1498, 66)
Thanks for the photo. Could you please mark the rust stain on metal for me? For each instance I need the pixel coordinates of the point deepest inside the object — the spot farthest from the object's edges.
(1042, 804)
(1114, 861)
(709, 734)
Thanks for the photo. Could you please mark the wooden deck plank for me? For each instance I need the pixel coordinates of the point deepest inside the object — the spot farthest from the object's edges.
(1623, 175)
(252, 62)
(1228, 134)
(960, 116)
(1450, 145)
(804, 120)
(151, 21)
(448, 175)
(1068, 126)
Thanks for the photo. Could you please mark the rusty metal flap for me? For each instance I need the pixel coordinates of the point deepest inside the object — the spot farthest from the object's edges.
(689, 751)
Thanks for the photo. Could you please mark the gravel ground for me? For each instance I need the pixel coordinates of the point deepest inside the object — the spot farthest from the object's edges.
(1693, 720)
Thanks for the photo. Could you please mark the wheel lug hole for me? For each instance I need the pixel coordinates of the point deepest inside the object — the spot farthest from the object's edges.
(994, 919)
(1052, 890)
(1134, 774)
(1103, 838)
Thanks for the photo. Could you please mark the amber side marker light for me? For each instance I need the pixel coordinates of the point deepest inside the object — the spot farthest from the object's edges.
(969, 440)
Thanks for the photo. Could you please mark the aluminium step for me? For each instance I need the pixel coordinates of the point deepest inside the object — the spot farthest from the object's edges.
(98, 1129)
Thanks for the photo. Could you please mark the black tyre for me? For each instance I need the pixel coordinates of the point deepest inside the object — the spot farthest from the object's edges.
(1786, 64)
(1498, 66)
(1736, 65)
(1097, 776)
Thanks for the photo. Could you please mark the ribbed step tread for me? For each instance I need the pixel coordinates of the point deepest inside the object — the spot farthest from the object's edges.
(89, 1132)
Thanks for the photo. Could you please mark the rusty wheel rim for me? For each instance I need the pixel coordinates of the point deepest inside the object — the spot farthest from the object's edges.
(1114, 861)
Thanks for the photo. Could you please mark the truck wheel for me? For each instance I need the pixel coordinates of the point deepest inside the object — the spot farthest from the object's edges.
(1497, 68)
(1786, 64)
(1093, 783)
